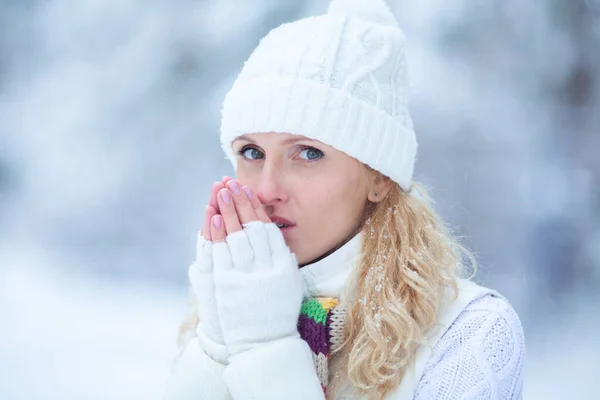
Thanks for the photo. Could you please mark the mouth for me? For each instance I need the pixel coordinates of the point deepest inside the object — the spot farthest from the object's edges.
(283, 224)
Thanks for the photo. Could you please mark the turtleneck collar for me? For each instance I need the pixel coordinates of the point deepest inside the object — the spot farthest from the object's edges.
(328, 276)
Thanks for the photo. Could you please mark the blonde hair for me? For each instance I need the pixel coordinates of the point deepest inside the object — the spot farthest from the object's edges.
(409, 260)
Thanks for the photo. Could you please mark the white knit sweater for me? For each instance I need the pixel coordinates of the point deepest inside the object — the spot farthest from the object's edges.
(480, 355)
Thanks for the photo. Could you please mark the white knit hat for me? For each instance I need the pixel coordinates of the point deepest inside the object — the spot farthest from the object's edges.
(340, 78)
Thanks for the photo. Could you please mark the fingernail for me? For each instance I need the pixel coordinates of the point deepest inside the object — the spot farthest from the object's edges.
(217, 221)
(248, 191)
(233, 186)
(225, 196)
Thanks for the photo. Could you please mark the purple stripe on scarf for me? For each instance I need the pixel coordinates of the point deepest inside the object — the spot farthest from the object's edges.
(314, 334)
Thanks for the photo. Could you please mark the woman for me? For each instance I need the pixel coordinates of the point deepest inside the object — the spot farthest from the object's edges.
(321, 271)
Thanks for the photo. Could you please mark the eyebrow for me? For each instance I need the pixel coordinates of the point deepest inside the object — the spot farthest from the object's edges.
(286, 141)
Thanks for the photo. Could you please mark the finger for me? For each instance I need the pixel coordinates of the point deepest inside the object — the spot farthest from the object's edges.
(241, 251)
(244, 209)
(208, 214)
(217, 229)
(227, 208)
(213, 194)
(256, 204)
(221, 257)
(226, 179)
(258, 237)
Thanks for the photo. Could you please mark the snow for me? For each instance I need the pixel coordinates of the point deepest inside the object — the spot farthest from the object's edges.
(74, 337)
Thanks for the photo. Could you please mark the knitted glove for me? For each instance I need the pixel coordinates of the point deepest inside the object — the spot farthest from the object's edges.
(208, 330)
(258, 286)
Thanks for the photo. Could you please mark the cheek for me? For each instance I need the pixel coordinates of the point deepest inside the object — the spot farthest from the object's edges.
(246, 176)
(331, 202)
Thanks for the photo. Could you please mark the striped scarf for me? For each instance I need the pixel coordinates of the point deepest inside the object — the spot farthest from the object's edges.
(321, 325)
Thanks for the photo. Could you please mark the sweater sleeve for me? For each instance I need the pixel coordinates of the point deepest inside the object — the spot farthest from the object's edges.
(479, 357)
(196, 376)
(282, 369)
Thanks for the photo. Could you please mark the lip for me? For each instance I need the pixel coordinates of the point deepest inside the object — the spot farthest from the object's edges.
(284, 231)
(279, 220)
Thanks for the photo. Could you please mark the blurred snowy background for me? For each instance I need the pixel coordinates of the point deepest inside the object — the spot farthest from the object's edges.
(109, 113)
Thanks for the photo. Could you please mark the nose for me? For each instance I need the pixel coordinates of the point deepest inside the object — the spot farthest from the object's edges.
(271, 188)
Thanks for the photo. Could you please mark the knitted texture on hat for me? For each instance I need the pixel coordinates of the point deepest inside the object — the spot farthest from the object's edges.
(340, 78)
(321, 326)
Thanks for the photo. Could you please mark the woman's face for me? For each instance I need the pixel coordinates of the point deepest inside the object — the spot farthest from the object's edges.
(321, 191)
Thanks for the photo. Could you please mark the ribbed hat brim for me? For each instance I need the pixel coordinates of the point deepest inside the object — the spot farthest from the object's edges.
(320, 112)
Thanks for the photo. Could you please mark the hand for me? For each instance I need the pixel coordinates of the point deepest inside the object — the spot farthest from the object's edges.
(201, 275)
(212, 208)
(258, 286)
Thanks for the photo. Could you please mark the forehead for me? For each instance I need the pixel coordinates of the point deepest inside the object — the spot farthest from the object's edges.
(274, 137)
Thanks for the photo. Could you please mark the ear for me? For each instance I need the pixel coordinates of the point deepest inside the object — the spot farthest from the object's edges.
(379, 188)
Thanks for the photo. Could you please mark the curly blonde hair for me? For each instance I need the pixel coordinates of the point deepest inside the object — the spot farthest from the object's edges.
(409, 259)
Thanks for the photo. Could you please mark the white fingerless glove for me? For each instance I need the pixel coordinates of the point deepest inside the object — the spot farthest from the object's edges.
(258, 286)
(208, 330)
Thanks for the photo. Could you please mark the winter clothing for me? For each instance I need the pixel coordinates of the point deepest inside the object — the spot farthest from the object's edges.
(196, 376)
(209, 330)
(321, 325)
(340, 78)
(478, 334)
(486, 344)
(258, 288)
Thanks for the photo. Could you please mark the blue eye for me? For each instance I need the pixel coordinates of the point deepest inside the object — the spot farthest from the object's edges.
(311, 153)
(251, 153)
